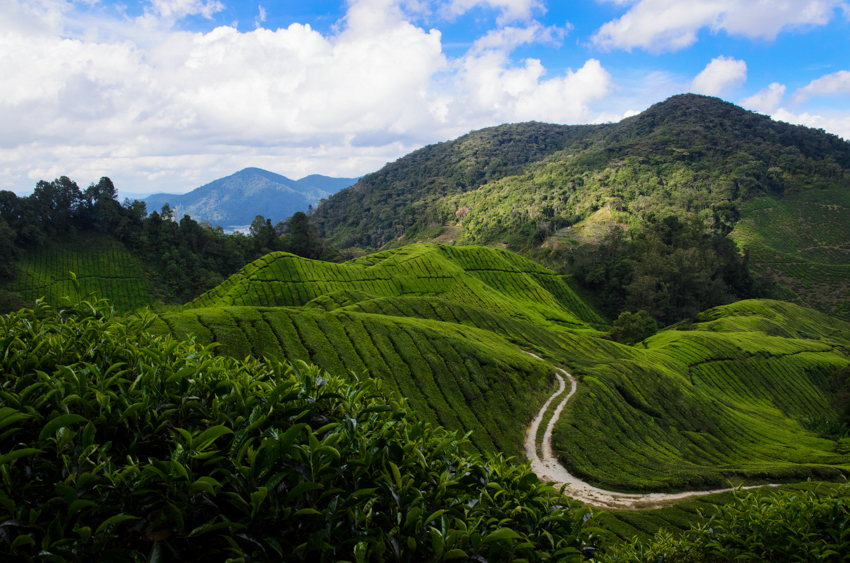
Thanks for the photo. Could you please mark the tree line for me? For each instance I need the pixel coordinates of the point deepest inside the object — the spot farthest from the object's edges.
(187, 257)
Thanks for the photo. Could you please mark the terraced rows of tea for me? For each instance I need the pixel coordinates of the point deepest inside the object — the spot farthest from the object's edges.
(779, 236)
(101, 264)
(494, 280)
(460, 377)
(446, 327)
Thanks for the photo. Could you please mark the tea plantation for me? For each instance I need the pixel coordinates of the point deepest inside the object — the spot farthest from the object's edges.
(723, 399)
(696, 406)
(101, 264)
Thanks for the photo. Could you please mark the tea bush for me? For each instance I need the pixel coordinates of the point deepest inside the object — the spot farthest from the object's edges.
(756, 526)
(120, 445)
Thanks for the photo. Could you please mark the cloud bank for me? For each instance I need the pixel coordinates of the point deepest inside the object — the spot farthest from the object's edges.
(169, 111)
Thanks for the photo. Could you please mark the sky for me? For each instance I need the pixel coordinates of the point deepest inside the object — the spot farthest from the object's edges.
(168, 95)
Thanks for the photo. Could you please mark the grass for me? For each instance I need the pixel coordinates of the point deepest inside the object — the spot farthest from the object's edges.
(494, 280)
(102, 265)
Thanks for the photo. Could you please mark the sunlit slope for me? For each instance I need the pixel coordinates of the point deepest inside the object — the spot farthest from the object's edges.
(803, 240)
(458, 376)
(102, 265)
(446, 327)
(696, 408)
(494, 280)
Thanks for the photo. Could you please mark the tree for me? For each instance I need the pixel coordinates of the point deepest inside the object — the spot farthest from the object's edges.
(303, 241)
(631, 328)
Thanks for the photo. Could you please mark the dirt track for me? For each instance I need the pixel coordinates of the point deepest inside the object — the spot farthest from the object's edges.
(550, 469)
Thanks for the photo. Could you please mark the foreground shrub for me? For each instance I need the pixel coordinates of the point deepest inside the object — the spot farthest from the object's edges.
(757, 526)
(116, 445)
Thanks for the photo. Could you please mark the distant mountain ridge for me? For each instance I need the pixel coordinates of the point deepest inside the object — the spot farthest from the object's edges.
(236, 199)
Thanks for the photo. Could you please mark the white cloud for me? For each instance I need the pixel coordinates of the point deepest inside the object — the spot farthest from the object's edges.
(835, 83)
(671, 25)
(839, 125)
(261, 17)
(509, 38)
(511, 10)
(175, 109)
(767, 99)
(167, 12)
(721, 74)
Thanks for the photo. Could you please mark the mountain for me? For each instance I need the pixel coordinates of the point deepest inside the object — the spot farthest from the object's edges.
(237, 199)
(779, 191)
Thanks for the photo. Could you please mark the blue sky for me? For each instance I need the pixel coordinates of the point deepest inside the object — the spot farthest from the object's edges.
(166, 95)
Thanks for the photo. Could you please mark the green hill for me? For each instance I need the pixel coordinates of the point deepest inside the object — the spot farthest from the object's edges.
(779, 189)
(724, 398)
(101, 264)
(494, 280)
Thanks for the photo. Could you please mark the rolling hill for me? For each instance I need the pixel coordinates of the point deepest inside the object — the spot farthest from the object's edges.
(778, 190)
(725, 398)
(236, 199)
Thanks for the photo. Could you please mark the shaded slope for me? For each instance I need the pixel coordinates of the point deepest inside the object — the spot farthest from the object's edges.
(102, 265)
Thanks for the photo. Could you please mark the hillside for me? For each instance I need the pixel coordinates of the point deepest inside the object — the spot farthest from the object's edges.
(724, 398)
(382, 206)
(100, 263)
(236, 199)
(690, 156)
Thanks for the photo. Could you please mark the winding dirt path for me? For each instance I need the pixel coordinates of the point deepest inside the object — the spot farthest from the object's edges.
(550, 469)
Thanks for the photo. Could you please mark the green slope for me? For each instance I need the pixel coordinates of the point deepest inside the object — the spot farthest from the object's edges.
(781, 188)
(724, 398)
(463, 378)
(102, 265)
(803, 241)
(494, 280)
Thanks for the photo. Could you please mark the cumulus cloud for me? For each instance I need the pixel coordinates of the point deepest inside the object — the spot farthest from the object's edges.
(839, 125)
(720, 75)
(767, 99)
(179, 108)
(835, 83)
(671, 25)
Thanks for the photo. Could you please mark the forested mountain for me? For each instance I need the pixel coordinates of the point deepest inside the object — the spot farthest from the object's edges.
(672, 185)
(236, 199)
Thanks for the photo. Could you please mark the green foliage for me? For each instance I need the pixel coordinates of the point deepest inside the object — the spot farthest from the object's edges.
(630, 328)
(118, 445)
(495, 280)
(401, 196)
(100, 263)
(462, 378)
(787, 526)
(669, 268)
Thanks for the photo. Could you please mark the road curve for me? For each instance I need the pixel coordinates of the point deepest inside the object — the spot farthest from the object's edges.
(550, 469)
